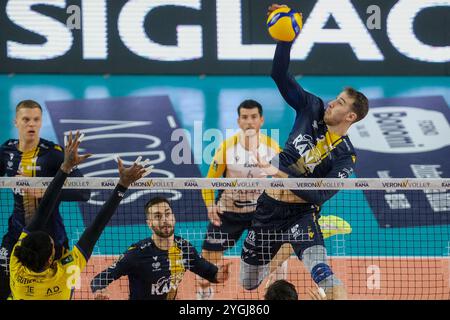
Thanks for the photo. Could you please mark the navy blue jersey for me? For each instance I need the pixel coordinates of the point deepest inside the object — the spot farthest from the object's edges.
(155, 274)
(311, 151)
(44, 161)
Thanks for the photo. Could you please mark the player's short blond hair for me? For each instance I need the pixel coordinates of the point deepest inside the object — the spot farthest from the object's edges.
(28, 104)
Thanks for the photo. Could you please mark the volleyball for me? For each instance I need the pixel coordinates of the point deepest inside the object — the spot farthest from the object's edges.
(284, 24)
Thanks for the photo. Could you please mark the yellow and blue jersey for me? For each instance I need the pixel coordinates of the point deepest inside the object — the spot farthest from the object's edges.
(55, 283)
(311, 151)
(155, 274)
(44, 161)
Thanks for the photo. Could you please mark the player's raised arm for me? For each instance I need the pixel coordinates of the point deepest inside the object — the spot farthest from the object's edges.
(52, 194)
(127, 177)
(290, 89)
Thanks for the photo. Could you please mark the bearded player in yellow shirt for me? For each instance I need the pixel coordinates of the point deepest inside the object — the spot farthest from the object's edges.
(34, 272)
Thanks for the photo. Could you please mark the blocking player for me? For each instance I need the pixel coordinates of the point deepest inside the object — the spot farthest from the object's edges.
(36, 273)
(32, 156)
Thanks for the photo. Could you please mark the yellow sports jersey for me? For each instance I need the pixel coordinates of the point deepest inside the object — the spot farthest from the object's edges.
(56, 283)
(232, 160)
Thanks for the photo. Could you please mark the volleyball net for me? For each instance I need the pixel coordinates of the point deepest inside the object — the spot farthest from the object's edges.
(385, 238)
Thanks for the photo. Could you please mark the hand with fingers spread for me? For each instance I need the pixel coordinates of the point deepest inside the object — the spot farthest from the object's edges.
(133, 173)
(223, 272)
(71, 156)
(267, 168)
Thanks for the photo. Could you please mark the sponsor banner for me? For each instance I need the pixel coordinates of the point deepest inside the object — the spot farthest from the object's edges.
(405, 138)
(129, 127)
(243, 183)
(221, 37)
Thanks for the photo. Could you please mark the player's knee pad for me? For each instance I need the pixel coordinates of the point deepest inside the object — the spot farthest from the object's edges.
(251, 276)
(315, 260)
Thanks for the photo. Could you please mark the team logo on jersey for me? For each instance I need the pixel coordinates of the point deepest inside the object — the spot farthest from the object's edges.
(156, 266)
(145, 245)
(10, 164)
(165, 284)
(310, 233)
(43, 146)
(251, 237)
(67, 259)
(315, 125)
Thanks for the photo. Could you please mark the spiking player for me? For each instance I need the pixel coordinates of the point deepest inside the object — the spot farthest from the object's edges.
(155, 266)
(32, 156)
(36, 274)
(317, 147)
(231, 213)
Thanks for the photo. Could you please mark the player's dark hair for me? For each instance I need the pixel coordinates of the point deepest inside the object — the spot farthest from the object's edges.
(28, 104)
(155, 201)
(250, 104)
(360, 105)
(34, 251)
(281, 290)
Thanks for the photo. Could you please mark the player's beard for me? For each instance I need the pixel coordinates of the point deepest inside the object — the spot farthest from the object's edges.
(160, 232)
(329, 120)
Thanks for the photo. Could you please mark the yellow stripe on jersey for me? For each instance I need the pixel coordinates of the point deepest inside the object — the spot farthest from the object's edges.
(55, 283)
(218, 167)
(320, 151)
(177, 270)
(28, 168)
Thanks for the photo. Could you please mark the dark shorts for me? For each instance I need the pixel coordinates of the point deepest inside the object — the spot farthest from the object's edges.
(276, 223)
(228, 233)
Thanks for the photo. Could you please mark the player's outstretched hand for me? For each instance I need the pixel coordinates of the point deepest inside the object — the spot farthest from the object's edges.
(267, 168)
(102, 295)
(135, 172)
(214, 213)
(224, 272)
(274, 7)
(71, 156)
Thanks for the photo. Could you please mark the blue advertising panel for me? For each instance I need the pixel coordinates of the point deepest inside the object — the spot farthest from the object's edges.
(131, 127)
(402, 138)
